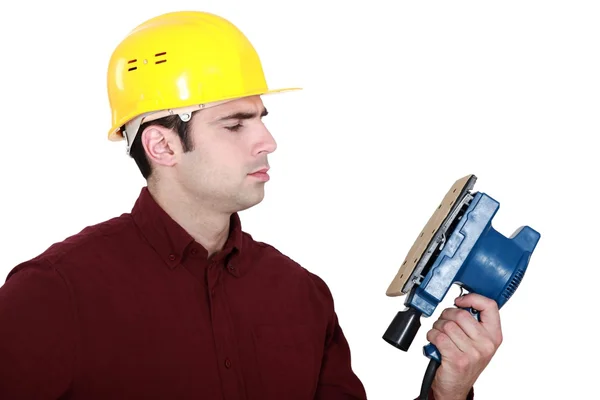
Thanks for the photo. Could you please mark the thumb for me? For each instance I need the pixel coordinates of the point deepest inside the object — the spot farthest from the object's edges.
(489, 315)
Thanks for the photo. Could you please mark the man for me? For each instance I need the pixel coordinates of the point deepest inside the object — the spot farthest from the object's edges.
(173, 300)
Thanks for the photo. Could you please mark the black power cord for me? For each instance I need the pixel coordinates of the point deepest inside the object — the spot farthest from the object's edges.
(428, 379)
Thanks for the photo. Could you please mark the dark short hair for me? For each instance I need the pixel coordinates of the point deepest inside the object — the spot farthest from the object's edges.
(172, 122)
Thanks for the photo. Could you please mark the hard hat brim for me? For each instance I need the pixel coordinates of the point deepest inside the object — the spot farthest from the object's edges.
(116, 135)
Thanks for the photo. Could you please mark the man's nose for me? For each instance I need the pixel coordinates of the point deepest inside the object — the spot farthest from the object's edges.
(266, 143)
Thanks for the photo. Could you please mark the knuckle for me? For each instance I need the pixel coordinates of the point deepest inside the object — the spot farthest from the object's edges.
(464, 316)
(491, 304)
(441, 339)
(488, 347)
(499, 339)
(492, 347)
(461, 362)
(450, 327)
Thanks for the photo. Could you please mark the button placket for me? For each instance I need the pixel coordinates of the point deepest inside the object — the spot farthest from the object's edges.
(212, 278)
(223, 333)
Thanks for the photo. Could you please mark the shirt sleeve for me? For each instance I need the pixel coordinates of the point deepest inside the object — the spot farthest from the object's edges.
(36, 333)
(337, 380)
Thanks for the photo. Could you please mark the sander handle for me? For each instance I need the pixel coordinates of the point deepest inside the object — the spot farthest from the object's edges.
(432, 352)
(435, 360)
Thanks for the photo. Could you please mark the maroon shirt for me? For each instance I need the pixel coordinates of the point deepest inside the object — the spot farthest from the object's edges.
(132, 308)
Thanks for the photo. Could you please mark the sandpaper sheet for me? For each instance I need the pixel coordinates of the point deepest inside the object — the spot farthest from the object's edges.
(421, 243)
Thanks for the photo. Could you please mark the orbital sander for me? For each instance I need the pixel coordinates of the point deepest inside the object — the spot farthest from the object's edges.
(458, 245)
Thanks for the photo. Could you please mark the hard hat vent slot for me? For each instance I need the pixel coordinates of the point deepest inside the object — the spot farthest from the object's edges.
(158, 55)
(132, 62)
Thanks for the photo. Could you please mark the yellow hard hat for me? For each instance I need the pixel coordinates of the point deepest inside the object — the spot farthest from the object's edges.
(176, 63)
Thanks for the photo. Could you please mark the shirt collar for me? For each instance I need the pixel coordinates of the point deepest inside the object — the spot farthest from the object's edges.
(172, 243)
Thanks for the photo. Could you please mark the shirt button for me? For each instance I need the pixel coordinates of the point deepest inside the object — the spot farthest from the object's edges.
(231, 267)
(172, 257)
(194, 251)
(227, 363)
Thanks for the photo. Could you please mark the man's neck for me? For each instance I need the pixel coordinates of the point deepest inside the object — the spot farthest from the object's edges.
(207, 227)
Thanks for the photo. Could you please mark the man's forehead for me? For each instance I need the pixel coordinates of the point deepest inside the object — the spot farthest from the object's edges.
(252, 104)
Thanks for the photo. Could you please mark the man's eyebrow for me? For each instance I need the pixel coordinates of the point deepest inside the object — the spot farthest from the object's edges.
(243, 115)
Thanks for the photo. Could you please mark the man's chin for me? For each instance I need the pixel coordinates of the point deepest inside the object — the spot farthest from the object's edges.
(250, 200)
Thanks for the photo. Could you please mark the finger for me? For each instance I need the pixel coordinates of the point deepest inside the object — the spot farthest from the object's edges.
(444, 344)
(488, 310)
(469, 325)
(455, 333)
(479, 342)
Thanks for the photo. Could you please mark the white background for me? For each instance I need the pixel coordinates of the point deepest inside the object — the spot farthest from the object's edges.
(397, 104)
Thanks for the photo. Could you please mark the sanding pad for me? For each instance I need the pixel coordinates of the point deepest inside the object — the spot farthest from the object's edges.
(425, 243)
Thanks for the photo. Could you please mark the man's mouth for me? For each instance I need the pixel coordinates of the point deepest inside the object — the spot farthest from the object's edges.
(261, 174)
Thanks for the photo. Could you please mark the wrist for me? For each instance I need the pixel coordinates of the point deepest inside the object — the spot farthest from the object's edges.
(444, 395)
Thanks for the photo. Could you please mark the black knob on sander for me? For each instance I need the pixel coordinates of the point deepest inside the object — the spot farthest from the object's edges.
(403, 329)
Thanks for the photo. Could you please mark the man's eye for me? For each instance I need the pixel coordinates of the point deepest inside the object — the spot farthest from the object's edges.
(234, 128)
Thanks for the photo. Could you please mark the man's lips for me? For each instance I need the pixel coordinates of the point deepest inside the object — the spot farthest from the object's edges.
(261, 174)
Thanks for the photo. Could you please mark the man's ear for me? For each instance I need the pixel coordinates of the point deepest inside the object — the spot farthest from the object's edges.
(161, 145)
